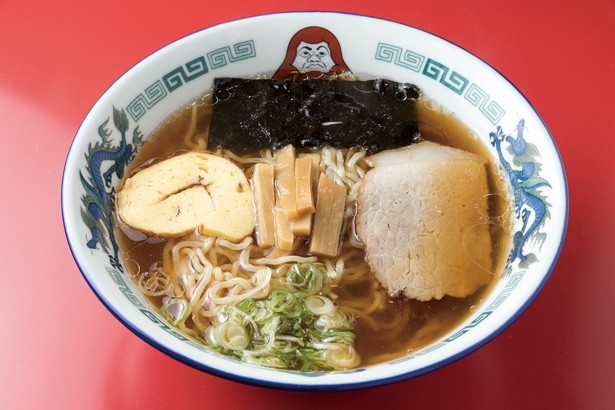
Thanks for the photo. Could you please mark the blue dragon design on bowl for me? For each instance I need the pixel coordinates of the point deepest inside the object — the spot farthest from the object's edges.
(530, 204)
(98, 200)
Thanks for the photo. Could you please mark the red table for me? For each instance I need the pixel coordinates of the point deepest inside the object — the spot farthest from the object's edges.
(60, 348)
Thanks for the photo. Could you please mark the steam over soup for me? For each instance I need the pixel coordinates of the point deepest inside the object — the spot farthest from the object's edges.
(273, 254)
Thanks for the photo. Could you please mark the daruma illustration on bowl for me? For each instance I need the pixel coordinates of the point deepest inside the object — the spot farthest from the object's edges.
(292, 202)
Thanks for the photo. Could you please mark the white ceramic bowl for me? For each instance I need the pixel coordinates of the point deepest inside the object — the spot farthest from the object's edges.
(181, 71)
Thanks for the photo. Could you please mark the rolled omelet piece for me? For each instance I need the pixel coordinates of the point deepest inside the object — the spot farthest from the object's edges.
(418, 218)
(189, 191)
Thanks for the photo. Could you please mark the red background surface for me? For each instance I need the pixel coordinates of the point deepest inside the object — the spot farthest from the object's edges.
(60, 348)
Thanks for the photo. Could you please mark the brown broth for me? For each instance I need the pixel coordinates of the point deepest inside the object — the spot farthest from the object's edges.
(404, 325)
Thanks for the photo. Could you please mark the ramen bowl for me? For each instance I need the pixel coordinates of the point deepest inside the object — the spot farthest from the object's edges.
(500, 117)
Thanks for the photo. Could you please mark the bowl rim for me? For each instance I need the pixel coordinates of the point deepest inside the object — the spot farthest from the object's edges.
(332, 386)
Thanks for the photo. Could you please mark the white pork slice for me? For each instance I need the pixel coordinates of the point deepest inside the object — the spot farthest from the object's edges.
(418, 216)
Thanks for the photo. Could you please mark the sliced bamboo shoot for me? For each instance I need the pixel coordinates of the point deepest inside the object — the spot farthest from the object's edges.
(264, 198)
(285, 181)
(315, 172)
(302, 226)
(328, 217)
(303, 185)
(306, 179)
(276, 252)
(283, 235)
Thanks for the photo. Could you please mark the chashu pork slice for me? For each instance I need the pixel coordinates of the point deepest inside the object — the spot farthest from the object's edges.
(418, 217)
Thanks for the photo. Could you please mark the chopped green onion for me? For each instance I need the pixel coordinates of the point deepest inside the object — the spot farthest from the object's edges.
(335, 319)
(231, 336)
(342, 357)
(319, 305)
(309, 278)
(297, 326)
(175, 310)
(285, 302)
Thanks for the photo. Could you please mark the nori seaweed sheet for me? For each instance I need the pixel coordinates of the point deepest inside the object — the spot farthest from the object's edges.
(253, 114)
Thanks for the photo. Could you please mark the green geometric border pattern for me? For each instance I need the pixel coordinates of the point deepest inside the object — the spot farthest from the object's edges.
(187, 72)
(437, 71)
